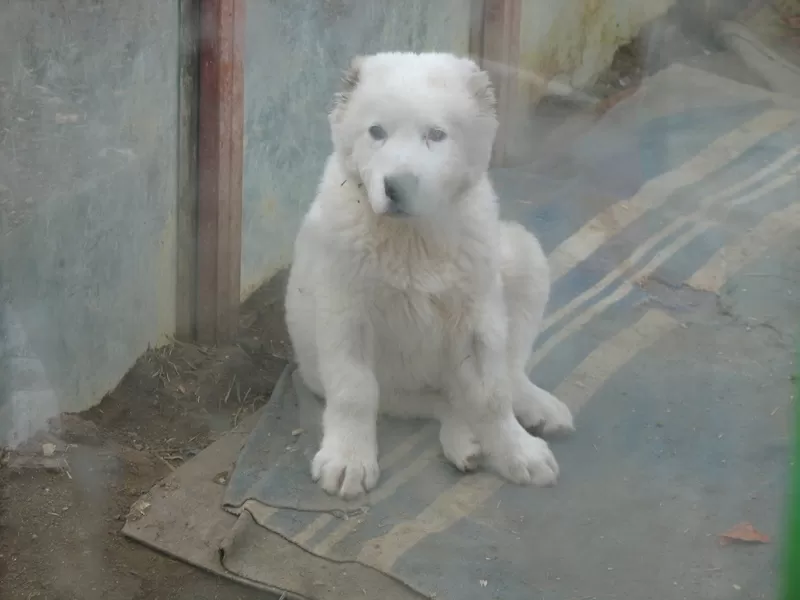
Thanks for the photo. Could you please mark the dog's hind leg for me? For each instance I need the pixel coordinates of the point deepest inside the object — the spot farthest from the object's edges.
(526, 281)
(459, 443)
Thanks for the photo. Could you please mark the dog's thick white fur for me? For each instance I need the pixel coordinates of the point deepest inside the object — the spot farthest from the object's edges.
(407, 293)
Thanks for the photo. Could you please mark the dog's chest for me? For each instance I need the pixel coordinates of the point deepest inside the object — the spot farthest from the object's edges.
(421, 306)
(397, 311)
(415, 332)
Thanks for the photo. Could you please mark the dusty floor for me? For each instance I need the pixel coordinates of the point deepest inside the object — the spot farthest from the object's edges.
(60, 529)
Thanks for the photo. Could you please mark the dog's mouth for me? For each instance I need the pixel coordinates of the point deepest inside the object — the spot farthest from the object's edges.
(396, 212)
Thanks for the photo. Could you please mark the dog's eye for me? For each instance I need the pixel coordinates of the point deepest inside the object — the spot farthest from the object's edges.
(377, 132)
(436, 135)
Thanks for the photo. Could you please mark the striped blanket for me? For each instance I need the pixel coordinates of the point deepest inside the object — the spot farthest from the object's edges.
(672, 231)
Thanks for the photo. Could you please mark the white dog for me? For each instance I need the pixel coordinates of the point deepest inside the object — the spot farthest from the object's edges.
(407, 291)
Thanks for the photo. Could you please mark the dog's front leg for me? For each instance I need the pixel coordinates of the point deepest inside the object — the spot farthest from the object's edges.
(479, 386)
(347, 461)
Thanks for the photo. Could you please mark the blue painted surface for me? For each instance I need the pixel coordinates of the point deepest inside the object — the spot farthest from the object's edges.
(88, 117)
(679, 442)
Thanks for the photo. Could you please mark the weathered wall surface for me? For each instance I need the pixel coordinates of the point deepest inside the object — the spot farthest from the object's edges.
(88, 115)
(295, 54)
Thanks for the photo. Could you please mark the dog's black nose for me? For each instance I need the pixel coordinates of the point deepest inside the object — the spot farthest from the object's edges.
(392, 191)
(399, 188)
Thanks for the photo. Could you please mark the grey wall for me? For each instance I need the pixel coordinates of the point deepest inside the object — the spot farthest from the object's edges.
(295, 52)
(88, 101)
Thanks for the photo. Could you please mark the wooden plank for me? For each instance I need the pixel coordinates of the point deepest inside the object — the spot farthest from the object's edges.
(476, 19)
(189, 86)
(501, 44)
(237, 150)
(220, 170)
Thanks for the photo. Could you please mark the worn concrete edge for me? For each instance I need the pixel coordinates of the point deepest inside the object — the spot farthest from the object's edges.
(195, 480)
(191, 493)
(145, 529)
(215, 458)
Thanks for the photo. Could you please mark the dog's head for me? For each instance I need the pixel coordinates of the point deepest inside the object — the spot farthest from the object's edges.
(415, 129)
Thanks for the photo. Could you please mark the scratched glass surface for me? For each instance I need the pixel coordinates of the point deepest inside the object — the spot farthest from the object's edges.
(157, 162)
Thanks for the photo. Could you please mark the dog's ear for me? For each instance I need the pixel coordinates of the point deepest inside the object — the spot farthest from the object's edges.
(480, 86)
(350, 80)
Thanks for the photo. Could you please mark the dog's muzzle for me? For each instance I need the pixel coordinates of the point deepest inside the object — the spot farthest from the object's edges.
(400, 189)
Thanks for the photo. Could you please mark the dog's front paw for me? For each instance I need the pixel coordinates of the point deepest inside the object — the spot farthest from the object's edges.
(347, 470)
(540, 411)
(523, 459)
(459, 444)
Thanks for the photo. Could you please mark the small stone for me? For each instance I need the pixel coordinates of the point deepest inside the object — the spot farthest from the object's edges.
(139, 508)
(48, 449)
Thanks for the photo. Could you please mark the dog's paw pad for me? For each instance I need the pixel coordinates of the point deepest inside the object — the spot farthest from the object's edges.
(345, 474)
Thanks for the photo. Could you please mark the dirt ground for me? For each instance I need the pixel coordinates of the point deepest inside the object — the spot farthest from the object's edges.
(60, 517)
